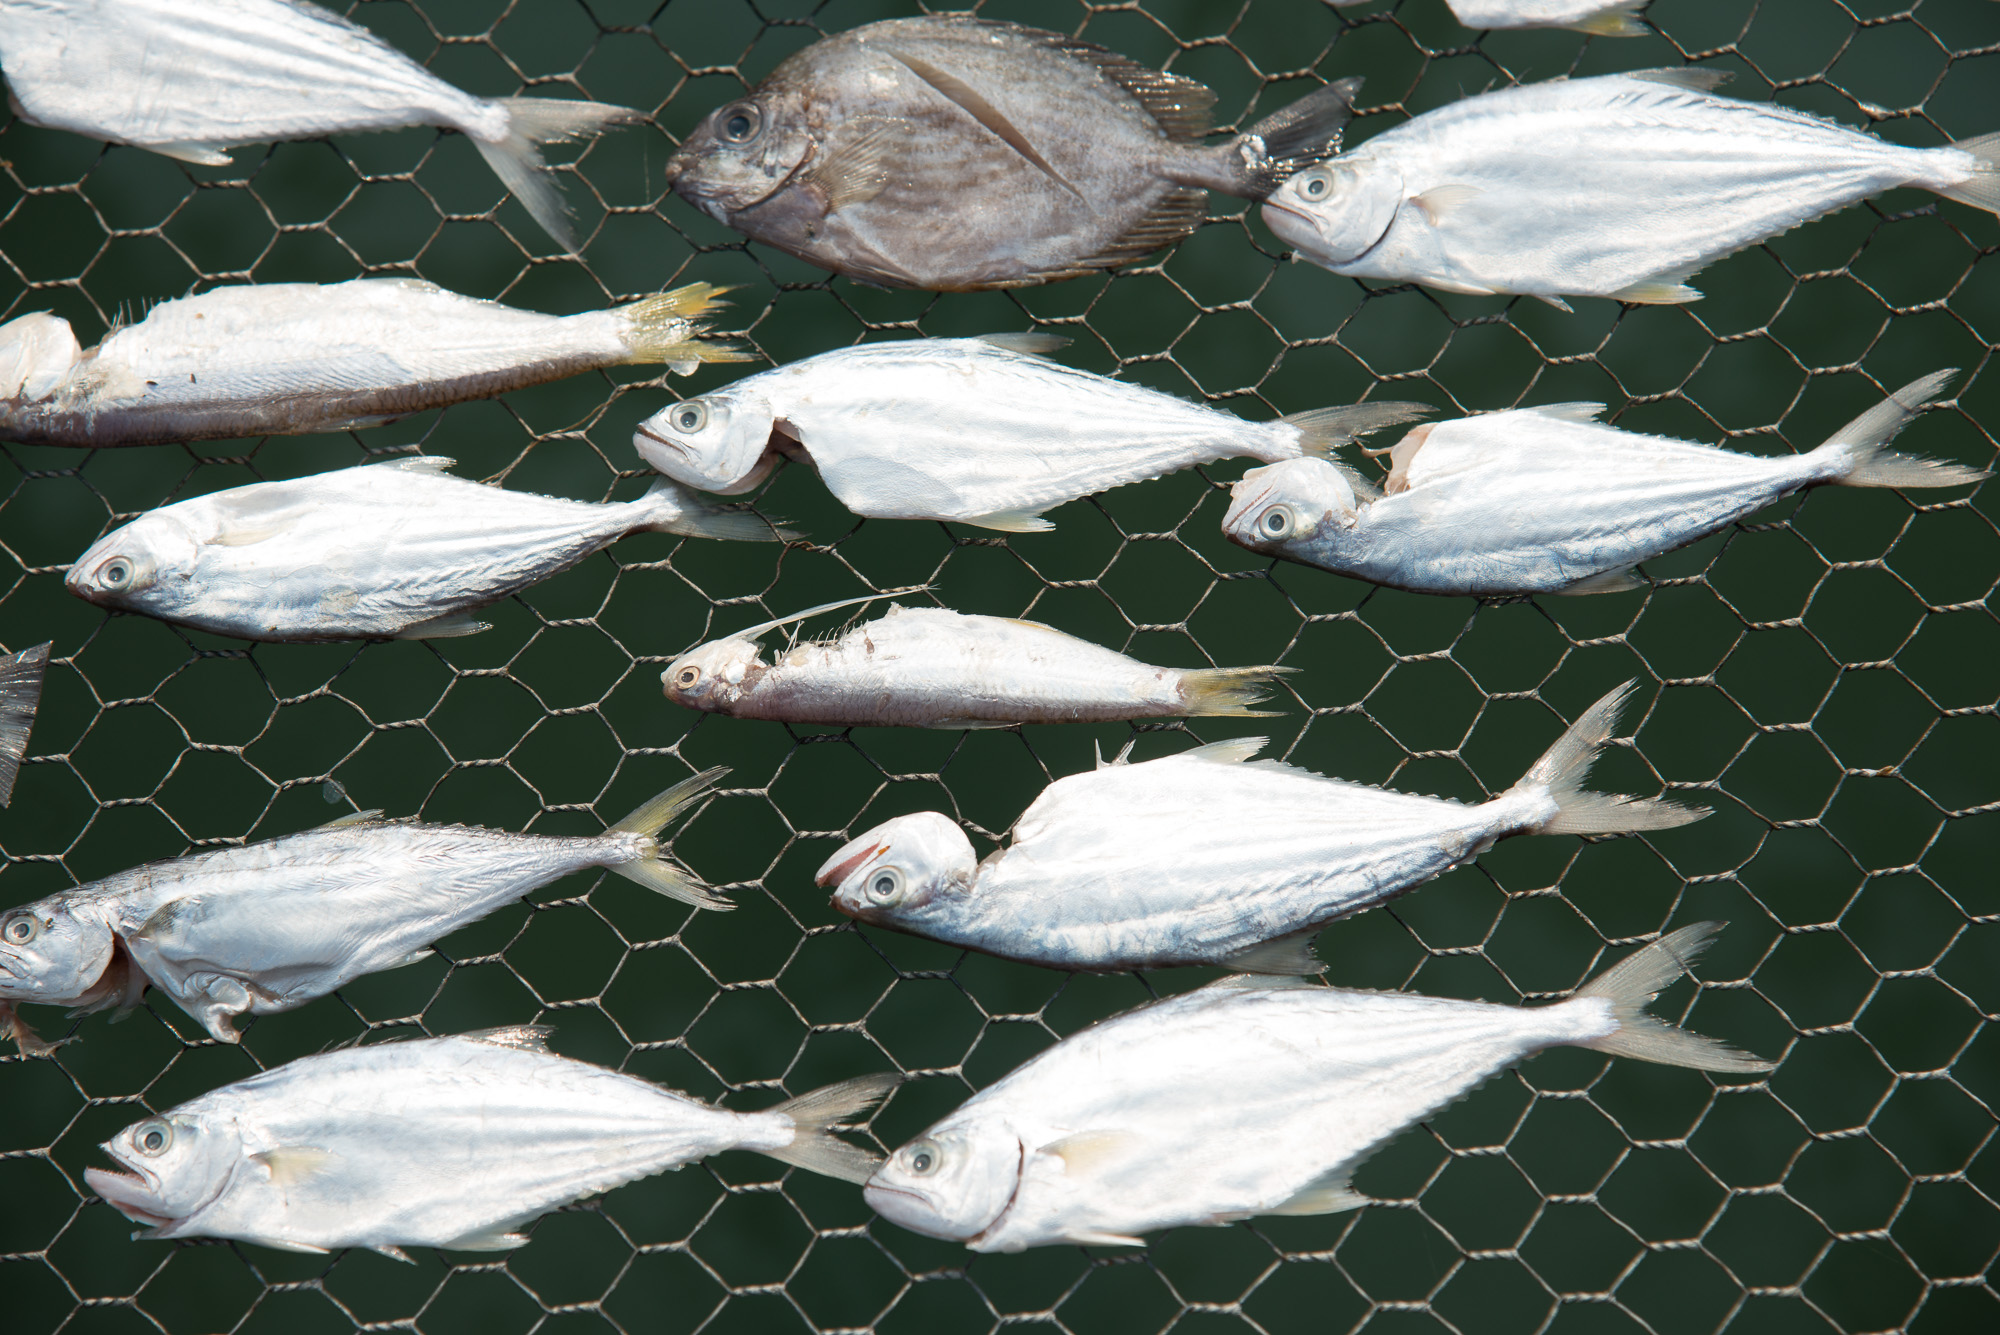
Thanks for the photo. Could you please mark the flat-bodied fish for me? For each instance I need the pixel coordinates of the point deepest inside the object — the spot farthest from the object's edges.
(1549, 500)
(930, 667)
(1620, 186)
(269, 926)
(20, 695)
(291, 358)
(438, 1142)
(191, 80)
(986, 431)
(1200, 858)
(1246, 1097)
(951, 152)
(1618, 19)
(396, 550)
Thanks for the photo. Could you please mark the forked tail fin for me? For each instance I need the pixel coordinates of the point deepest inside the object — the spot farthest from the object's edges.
(1617, 20)
(1857, 455)
(1229, 692)
(651, 868)
(669, 507)
(1291, 139)
(1630, 986)
(816, 1116)
(668, 328)
(1982, 188)
(1564, 766)
(1323, 430)
(20, 695)
(517, 159)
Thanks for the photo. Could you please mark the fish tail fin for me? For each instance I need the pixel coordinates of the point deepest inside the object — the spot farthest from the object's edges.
(517, 157)
(1323, 430)
(669, 507)
(651, 868)
(1619, 20)
(1212, 692)
(667, 328)
(1630, 986)
(1287, 141)
(20, 694)
(1563, 768)
(816, 1116)
(1982, 188)
(1857, 455)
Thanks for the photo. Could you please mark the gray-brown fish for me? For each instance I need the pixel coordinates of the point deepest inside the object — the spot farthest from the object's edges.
(950, 152)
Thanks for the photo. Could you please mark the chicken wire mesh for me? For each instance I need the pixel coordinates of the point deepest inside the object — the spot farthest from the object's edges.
(1824, 674)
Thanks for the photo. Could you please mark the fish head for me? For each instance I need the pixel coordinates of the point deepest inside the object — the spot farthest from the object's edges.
(146, 566)
(54, 951)
(1279, 506)
(170, 1168)
(36, 351)
(896, 875)
(715, 675)
(1337, 211)
(720, 442)
(744, 152)
(954, 1183)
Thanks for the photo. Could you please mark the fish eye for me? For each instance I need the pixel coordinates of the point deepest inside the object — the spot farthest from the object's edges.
(925, 1156)
(885, 885)
(152, 1138)
(115, 574)
(1278, 521)
(687, 677)
(20, 930)
(1315, 185)
(739, 124)
(690, 417)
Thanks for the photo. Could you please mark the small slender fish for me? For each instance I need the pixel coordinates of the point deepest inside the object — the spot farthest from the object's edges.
(286, 359)
(396, 550)
(270, 926)
(438, 1142)
(952, 152)
(930, 667)
(191, 80)
(1549, 500)
(1621, 186)
(20, 695)
(985, 431)
(1619, 19)
(1200, 858)
(1246, 1097)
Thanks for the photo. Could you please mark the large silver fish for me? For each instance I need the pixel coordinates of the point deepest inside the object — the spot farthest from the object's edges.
(20, 695)
(985, 431)
(1620, 186)
(397, 549)
(953, 152)
(1549, 500)
(930, 667)
(192, 79)
(438, 1142)
(1616, 19)
(1199, 858)
(1246, 1097)
(272, 925)
(292, 358)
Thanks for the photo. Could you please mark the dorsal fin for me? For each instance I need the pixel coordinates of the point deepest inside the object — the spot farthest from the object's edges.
(969, 100)
(1035, 344)
(766, 627)
(353, 818)
(417, 463)
(1257, 982)
(1570, 412)
(1232, 752)
(1689, 77)
(525, 1037)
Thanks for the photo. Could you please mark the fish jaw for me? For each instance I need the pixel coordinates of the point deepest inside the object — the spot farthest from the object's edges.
(132, 1195)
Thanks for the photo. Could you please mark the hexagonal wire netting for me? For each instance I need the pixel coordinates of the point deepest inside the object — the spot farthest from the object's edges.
(1823, 674)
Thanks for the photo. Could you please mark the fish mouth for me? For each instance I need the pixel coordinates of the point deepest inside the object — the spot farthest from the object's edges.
(658, 439)
(130, 1194)
(849, 859)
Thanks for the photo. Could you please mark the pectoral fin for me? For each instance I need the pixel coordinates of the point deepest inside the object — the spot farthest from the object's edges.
(1441, 201)
(856, 168)
(1086, 1151)
(289, 1165)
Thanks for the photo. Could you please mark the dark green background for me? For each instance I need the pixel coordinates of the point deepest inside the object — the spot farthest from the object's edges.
(1823, 675)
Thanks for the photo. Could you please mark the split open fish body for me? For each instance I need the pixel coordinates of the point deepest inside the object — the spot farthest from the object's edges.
(1618, 19)
(444, 1142)
(1243, 1098)
(396, 549)
(20, 696)
(950, 152)
(293, 358)
(981, 430)
(1549, 500)
(1618, 186)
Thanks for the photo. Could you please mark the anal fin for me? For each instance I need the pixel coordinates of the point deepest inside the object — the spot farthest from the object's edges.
(1092, 1238)
(1286, 956)
(1176, 214)
(1621, 580)
(1011, 521)
(448, 626)
(1329, 1193)
(499, 1238)
(202, 155)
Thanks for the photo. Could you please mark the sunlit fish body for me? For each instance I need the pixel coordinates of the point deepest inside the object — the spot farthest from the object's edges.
(396, 550)
(20, 695)
(437, 1142)
(1549, 500)
(930, 667)
(1620, 186)
(985, 431)
(1595, 17)
(292, 358)
(952, 152)
(1246, 1097)
(1200, 858)
(269, 926)
(190, 80)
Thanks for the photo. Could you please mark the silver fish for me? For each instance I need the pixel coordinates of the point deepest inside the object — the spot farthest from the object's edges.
(397, 549)
(1618, 19)
(190, 80)
(1199, 858)
(1549, 500)
(1620, 186)
(269, 926)
(952, 152)
(1024, 433)
(292, 358)
(1246, 1097)
(20, 695)
(438, 1142)
(930, 667)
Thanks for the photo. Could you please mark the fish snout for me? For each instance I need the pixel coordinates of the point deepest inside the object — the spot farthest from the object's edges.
(129, 1193)
(853, 856)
